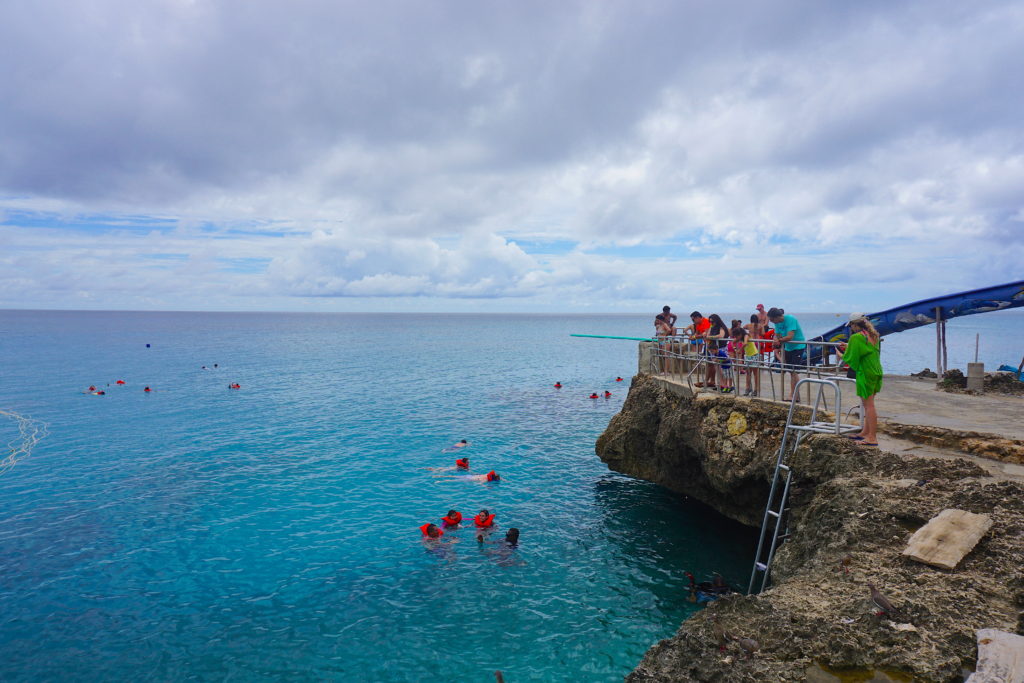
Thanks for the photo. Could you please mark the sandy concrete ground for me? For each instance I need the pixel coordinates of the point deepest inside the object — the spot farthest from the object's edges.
(914, 401)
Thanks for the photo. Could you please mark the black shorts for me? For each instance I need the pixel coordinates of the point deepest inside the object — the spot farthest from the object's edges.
(794, 358)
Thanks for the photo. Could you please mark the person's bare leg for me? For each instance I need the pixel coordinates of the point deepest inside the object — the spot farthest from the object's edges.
(869, 430)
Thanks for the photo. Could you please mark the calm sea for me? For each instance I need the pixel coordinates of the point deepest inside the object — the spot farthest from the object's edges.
(271, 532)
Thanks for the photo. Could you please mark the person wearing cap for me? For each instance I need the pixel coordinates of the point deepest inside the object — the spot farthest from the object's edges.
(862, 354)
(789, 333)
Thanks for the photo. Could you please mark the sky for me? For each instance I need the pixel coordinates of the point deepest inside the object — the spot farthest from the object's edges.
(449, 155)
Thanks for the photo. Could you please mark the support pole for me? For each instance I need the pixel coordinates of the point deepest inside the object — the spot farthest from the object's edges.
(938, 341)
(945, 357)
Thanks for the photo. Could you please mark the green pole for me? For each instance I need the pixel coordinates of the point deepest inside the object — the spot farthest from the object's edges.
(604, 336)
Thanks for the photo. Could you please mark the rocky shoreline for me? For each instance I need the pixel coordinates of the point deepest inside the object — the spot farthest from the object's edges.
(847, 501)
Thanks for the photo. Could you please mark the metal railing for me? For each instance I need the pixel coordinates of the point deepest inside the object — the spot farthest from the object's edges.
(682, 357)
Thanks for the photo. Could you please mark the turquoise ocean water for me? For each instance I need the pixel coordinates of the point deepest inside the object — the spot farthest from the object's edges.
(271, 532)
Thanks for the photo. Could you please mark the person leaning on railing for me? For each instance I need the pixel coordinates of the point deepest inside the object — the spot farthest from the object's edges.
(863, 355)
(789, 333)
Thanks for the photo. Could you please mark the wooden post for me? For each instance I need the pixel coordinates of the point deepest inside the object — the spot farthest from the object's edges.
(938, 341)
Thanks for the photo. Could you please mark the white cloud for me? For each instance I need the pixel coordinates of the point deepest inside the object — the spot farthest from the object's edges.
(404, 151)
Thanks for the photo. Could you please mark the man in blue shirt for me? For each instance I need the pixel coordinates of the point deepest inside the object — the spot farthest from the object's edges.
(788, 332)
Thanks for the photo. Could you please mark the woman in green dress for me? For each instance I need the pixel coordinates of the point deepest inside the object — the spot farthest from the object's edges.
(862, 354)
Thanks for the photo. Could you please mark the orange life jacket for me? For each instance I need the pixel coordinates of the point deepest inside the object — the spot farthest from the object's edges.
(452, 521)
(491, 476)
(424, 530)
(483, 523)
(462, 463)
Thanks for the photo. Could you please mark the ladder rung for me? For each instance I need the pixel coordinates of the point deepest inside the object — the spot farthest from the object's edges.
(773, 513)
(784, 468)
(762, 566)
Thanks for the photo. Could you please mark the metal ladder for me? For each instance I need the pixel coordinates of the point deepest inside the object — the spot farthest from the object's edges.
(791, 439)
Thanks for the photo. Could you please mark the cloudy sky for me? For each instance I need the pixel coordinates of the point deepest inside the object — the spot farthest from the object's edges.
(456, 155)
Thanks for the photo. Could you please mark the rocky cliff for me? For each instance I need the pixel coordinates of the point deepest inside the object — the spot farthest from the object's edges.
(849, 502)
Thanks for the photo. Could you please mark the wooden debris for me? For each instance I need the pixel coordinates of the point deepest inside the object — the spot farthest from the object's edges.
(1000, 657)
(949, 536)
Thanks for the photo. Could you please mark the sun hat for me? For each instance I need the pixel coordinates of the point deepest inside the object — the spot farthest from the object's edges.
(857, 316)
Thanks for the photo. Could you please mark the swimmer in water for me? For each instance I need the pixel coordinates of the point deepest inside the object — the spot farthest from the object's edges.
(453, 518)
(431, 531)
(460, 464)
(455, 446)
(607, 394)
(484, 520)
(503, 552)
(99, 393)
(481, 478)
(234, 386)
(147, 390)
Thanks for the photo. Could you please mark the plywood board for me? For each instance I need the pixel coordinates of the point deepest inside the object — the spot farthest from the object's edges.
(1000, 657)
(944, 540)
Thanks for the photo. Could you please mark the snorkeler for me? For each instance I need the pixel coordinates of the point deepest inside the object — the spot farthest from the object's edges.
(607, 394)
(455, 446)
(431, 531)
(460, 464)
(451, 519)
(483, 520)
(147, 390)
(234, 385)
(482, 478)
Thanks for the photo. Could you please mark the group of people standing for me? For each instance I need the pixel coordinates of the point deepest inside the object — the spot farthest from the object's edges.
(773, 334)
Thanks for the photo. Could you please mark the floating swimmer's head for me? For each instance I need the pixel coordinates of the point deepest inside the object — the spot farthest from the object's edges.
(512, 536)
